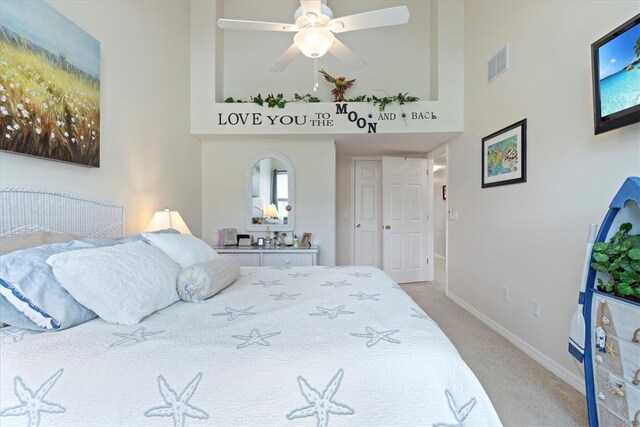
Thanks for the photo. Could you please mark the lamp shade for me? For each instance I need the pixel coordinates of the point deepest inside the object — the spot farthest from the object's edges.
(167, 218)
(271, 211)
(314, 42)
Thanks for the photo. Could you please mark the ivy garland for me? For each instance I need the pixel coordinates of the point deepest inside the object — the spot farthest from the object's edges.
(279, 101)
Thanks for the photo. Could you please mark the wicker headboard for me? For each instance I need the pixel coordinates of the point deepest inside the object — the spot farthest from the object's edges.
(26, 210)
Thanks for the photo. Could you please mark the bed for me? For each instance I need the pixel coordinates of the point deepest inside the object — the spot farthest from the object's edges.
(324, 346)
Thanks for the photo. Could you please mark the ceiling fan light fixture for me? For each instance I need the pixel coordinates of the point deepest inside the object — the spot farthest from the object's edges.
(336, 25)
(314, 42)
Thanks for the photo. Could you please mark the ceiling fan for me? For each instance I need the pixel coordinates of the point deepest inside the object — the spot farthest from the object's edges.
(315, 27)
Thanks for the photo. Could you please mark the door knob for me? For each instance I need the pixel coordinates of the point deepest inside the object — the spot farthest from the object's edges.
(387, 227)
(358, 225)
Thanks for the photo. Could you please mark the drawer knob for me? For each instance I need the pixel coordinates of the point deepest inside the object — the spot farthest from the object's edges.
(287, 262)
(635, 336)
(636, 378)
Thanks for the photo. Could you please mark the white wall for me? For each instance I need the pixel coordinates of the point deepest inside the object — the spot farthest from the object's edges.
(531, 237)
(148, 158)
(223, 167)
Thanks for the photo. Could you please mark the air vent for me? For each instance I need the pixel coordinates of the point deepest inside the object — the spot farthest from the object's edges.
(498, 64)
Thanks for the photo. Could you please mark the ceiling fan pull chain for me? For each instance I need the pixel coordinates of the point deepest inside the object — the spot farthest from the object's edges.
(315, 75)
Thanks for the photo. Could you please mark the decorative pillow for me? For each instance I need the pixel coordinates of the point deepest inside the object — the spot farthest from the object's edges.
(122, 283)
(31, 296)
(10, 244)
(184, 249)
(140, 238)
(201, 281)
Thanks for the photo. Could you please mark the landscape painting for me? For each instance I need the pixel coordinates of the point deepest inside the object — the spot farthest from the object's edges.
(49, 85)
(504, 156)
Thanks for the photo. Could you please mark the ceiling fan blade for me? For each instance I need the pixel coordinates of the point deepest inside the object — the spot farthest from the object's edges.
(346, 55)
(311, 6)
(286, 58)
(375, 18)
(235, 24)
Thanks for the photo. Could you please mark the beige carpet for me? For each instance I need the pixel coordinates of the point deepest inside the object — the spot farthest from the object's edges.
(523, 392)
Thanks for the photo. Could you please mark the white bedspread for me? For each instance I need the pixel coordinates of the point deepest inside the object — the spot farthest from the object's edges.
(296, 347)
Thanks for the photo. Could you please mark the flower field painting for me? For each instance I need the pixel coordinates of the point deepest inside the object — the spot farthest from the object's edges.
(49, 85)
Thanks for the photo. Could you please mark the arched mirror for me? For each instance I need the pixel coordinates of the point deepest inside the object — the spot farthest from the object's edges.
(269, 186)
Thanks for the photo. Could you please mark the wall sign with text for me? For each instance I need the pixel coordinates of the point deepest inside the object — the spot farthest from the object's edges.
(333, 118)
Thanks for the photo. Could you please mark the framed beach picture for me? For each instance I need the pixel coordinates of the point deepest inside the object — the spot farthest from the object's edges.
(49, 85)
(504, 156)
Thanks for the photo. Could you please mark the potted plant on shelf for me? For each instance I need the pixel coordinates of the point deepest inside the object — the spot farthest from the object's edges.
(619, 258)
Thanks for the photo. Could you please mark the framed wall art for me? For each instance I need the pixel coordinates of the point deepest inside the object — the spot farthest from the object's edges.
(49, 85)
(504, 156)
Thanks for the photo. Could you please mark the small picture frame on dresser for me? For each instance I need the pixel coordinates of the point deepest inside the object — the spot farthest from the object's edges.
(260, 242)
(306, 240)
(230, 236)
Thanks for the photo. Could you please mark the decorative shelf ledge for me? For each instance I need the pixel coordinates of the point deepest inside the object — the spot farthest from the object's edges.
(331, 118)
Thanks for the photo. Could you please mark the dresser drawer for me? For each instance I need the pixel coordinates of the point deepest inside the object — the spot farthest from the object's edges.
(620, 358)
(287, 260)
(248, 260)
(617, 318)
(607, 418)
(611, 392)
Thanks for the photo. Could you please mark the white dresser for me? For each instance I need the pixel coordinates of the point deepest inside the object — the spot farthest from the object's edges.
(272, 257)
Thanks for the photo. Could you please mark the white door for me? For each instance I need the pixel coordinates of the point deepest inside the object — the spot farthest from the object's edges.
(407, 185)
(367, 213)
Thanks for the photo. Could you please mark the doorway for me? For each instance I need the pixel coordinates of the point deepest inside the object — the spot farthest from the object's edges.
(440, 212)
(393, 219)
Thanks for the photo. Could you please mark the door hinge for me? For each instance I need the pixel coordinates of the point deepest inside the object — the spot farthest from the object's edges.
(427, 260)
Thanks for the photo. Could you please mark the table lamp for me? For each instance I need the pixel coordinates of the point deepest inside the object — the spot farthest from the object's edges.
(167, 218)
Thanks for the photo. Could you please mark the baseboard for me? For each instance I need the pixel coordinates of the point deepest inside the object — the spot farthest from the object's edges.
(440, 256)
(561, 372)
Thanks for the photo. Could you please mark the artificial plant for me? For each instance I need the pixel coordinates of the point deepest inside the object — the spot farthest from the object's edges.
(620, 258)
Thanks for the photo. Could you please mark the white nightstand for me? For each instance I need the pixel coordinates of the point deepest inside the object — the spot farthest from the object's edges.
(272, 257)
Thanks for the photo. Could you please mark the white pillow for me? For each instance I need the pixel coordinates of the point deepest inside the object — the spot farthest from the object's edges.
(122, 283)
(201, 281)
(184, 249)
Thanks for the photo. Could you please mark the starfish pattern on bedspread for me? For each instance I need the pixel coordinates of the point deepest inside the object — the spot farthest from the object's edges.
(234, 314)
(299, 275)
(32, 404)
(336, 284)
(420, 314)
(331, 312)
(375, 337)
(14, 334)
(267, 283)
(136, 336)
(283, 295)
(177, 407)
(362, 296)
(360, 275)
(321, 405)
(255, 337)
(460, 414)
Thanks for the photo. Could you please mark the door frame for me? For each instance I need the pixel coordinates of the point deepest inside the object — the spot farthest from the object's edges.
(443, 149)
